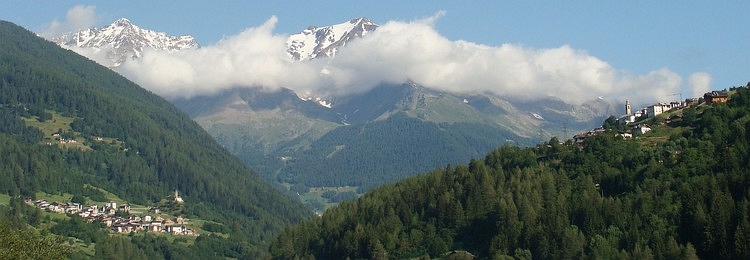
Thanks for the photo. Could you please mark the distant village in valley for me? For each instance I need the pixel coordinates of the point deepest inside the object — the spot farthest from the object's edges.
(118, 218)
(631, 118)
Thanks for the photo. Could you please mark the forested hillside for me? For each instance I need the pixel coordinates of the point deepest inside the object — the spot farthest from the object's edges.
(680, 192)
(367, 155)
(128, 142)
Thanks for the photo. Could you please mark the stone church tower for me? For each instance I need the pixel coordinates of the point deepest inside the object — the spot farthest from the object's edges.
(177, 198)
(628, 109)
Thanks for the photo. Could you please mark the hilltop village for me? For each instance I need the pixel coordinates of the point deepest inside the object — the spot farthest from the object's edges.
(118, 218)
(629, 121)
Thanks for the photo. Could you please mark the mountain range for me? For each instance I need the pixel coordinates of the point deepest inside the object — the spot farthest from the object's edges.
(122, 40)
(329, 141)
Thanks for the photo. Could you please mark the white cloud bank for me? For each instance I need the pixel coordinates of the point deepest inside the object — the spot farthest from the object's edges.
(255, 57)
(394, 53)
(77, 18)
(699, 83)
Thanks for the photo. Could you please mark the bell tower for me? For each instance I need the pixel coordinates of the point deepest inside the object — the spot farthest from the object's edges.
(628, 109)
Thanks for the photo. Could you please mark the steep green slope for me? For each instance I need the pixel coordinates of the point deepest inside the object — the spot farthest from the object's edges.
(685, 197)
(154, 147)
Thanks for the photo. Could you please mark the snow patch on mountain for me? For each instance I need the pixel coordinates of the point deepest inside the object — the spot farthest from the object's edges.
(325, 103)
(537, 116)
(123, 40)
(321, 101)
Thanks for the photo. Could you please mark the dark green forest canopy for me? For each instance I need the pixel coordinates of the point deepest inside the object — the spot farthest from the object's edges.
(159, 148)
(681, 198)
(386, 151)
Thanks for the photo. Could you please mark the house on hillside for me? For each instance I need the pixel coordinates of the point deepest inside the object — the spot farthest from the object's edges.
(156, 227)
(639, 113)
(124, 208)
(626, 119)
(691, 101)
(107, 221)
(73, 208)
(641, 129)
(625, 134)
(716, 97)
(657, 109)
(580, 138)
(175, 230)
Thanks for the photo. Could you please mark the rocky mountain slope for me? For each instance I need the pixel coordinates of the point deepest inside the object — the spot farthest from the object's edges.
(363, 140)
(122, 40)
(315, 42)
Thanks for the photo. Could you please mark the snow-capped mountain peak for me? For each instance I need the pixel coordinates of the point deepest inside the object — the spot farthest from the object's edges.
(123, 40)
(315, 42)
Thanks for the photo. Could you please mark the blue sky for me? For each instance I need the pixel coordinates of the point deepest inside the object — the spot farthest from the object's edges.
(633, 37)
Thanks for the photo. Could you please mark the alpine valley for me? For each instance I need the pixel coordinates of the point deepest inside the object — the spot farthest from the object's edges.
(335, 146)
(76, 133)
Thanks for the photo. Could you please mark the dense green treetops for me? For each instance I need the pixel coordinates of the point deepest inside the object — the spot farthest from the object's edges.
(370, 154)
(681, 195)
(128, 141)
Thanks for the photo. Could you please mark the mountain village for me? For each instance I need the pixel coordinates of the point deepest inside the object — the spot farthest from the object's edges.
(118, 218)
(630, 118)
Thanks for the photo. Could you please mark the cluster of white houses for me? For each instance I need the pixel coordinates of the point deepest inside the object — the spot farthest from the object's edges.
(59, 139)
(631, 117)
(659, 108)
(652, 110)
(107, 215)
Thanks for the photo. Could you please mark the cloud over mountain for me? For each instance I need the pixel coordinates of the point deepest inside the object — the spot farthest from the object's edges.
(77, 18)
(398, 51)
(394, 53)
